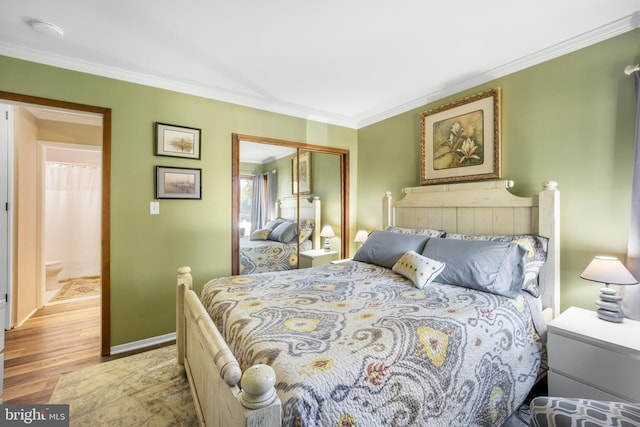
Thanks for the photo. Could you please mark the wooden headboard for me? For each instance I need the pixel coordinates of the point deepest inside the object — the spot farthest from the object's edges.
(486, 208)
(309, 209)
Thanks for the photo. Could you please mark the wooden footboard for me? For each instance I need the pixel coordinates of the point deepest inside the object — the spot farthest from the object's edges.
(222, 394)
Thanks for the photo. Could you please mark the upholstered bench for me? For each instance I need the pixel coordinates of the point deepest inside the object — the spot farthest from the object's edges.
(565, 412)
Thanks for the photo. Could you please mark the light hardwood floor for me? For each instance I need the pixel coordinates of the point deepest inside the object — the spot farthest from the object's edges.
(56, 339)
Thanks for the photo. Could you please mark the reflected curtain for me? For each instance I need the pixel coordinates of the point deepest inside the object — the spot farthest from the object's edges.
(72, 218)
(258, 213)
(272, 194)
(631, 294)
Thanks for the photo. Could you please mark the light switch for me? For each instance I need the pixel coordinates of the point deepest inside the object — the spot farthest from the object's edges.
(154, 208)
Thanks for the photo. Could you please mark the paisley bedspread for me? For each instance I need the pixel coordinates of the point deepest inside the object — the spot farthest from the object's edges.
(259, 256)
(354, 344)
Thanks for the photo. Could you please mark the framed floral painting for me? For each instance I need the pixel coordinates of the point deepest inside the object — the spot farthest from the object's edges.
(460, 141)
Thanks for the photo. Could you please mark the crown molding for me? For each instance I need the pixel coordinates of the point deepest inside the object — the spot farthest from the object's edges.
(615, 28)
(602, 33)
(40, 57)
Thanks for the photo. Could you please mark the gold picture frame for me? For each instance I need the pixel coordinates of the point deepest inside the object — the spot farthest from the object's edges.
(460, 141)
(305, 173)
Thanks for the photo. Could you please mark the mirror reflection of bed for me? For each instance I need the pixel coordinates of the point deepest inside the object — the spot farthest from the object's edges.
(276, 226)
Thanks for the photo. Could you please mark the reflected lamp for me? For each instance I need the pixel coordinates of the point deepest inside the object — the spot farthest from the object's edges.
(327, 232)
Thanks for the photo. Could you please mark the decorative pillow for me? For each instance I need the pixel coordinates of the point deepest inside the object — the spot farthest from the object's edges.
(271, 225)
(421, 270)
(385, 248)
(284, 232)
(305, 233)
(417, 231)
(261, 234)
(536, 247)
(495, 267)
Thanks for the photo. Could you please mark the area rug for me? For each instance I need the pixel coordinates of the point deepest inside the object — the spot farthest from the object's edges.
(145, 389)
(83, 287)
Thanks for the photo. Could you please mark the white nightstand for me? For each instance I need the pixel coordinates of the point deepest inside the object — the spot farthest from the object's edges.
(594, 359)
(317, 257)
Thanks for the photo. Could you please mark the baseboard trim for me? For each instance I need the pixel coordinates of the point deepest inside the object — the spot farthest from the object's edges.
(147, 342)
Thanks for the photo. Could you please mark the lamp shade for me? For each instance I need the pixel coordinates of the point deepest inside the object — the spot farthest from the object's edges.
(327, 231)
(609, 270)
(361, 236)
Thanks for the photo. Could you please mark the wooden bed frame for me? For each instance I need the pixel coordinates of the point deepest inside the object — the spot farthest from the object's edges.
(469, 208)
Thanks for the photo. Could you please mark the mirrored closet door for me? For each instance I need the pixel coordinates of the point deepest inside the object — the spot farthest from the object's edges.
(290, 204)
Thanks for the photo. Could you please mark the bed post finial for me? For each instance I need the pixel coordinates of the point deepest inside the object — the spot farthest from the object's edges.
(257, 386)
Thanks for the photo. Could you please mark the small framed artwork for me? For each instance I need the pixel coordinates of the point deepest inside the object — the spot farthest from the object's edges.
(460, 141)
(177, 141)
(305, 173)
(178, 183)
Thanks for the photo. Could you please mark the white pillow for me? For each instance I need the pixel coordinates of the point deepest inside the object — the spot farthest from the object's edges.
(420, 269)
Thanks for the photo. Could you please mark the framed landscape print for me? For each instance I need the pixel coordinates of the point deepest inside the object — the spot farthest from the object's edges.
(177, 141)
(178, 183)
(460, 141)
(305, 173)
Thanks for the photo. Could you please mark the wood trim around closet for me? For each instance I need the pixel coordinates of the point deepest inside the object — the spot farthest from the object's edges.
(235, 187)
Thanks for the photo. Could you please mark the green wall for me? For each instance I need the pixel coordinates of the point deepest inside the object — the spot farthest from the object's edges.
(569, 119)
(146, 250)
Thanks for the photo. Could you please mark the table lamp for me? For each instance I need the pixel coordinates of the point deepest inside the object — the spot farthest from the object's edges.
(610, 271)
(361, 236)
(327, 233)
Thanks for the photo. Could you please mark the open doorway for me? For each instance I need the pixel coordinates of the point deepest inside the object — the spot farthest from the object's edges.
(36, 256)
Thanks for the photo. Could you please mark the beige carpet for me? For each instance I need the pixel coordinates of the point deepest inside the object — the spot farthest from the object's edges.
(145, 389)
(83, 287)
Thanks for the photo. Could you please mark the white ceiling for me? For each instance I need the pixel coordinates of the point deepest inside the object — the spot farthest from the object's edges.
(350, 63)
(253, 152)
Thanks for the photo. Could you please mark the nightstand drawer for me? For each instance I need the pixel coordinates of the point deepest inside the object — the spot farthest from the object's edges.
(610, 370)
(561, 386)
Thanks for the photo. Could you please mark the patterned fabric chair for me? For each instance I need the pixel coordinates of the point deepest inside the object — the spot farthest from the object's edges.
(565, 412)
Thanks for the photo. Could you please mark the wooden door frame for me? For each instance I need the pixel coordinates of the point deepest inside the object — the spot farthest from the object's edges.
(235, 187)
(105, 300)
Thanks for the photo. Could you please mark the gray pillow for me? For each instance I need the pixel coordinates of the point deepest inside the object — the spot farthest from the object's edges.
(495, 267)
(271, 225)
(385, 248)
(536, 246)
(285, 232)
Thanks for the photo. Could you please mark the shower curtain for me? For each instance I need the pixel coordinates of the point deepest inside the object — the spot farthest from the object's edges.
(72, 218)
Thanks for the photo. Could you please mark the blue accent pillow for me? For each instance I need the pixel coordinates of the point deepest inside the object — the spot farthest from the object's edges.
(384, 248)
(495, 267)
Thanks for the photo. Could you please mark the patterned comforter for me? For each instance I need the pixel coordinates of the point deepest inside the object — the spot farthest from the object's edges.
(259, 256)
(354, 344)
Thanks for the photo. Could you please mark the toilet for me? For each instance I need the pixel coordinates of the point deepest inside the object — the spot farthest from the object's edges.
(53, 268)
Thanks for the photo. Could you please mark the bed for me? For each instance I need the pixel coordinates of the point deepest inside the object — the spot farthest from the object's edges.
(267, 251)
(358, 343)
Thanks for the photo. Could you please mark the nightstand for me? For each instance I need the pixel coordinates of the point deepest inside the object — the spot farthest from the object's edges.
(317, 257)
(591, 358)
